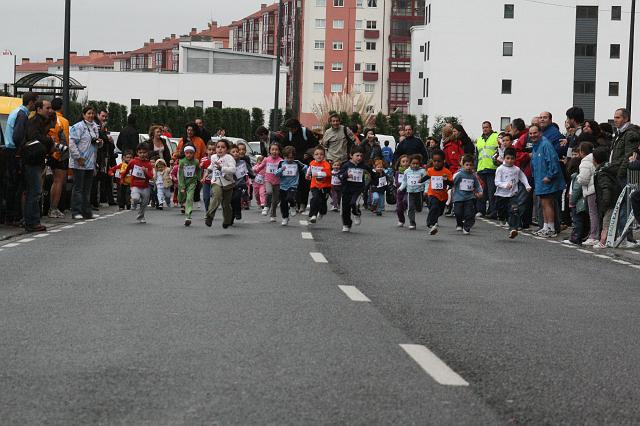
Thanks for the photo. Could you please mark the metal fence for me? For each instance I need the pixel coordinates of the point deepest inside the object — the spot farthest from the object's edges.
(623, 211)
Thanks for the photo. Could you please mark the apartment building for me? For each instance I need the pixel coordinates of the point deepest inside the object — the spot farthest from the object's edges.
(495, 60)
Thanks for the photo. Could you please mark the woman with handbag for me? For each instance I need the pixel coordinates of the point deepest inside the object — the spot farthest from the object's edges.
(33, 154)
(84, 142)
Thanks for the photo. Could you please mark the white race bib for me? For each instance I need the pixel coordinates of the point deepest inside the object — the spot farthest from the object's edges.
(318, 172)
(413, 180)
(400, 177)
(335, 180)
(466, 185)
(272, 168)
(437, 183)
(354, 175)
(382, 182)
(138, 172)
(117, 174)
(189, 171)
(259, 179)
(289, 169)
(241, 170)
(217, 174)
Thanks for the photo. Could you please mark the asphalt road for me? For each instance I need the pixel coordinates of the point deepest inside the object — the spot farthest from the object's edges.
(114, 322)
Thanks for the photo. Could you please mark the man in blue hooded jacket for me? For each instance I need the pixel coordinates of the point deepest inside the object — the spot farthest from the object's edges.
(548, 178)
(552, 133)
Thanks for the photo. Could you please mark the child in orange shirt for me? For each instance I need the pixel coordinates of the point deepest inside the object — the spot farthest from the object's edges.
(319, 172)
(124, 190)
(441, 180)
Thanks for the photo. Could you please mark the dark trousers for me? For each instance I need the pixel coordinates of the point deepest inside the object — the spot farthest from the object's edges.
(124, 196)
(436, 209)
(33, 186)
(579, 221)
(525, 203)
(509, 211)
(415, 205)
(302, 194)
(349, 206)
(318, 201)
(488, 178)
(236, 202)
(287, 199)
(401, 205)
(12, 186)
(465, 212)
(635, 204)
(81, 194)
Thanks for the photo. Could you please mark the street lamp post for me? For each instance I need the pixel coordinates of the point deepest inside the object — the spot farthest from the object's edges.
(631, 49)
(279, 32)
(66, 66)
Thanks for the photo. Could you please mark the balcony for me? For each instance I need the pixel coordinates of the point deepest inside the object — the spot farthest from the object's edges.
(371, 34)
(369, 76)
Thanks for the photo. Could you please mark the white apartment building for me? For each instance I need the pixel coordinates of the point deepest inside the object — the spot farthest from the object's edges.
(499, 60)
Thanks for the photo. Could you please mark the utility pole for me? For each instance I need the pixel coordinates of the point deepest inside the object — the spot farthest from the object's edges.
(631, 49)
(279, 32)
(67, 57)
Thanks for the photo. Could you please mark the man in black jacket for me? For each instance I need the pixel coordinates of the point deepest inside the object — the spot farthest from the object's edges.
(204, 134)
(411, 145)
(129, 137)
(302, 139)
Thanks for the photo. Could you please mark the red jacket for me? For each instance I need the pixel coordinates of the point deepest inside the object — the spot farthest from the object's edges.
(138, 168)
(453, 152)
(523, 160)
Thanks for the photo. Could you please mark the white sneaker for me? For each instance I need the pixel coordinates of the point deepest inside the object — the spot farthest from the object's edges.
(458, 228)
(356, 220)
(141, 220)
(599, 246)
(272, 219)
(513, 233)
(412, 227)
(478, 214)
(293, 213)
(591, 242)
(285, 221)
(265, 210)
(400, 224)
(346, 229)
(313, 219)
(77, 217)
(434, 229)
(628, 245)
(465, 232)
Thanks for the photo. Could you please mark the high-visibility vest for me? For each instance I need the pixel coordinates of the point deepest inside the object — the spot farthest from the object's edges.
(486, 150)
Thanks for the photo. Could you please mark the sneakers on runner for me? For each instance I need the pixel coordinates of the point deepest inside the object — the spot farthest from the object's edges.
(599, 246)
(187, 222)
(513, 233)
(356, 220)
(346, 229)
(272, 219)
(265, 210)
(628, 245)
(466, 231)
(400, 224)
(458, 228)
(313, 219)
(434, 229)
(590, 242)
(412, 227)
(285, 221)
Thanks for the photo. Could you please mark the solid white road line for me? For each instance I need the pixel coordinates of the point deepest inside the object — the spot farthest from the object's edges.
(353, 293)
(622, 262)
(307, 236)
(434, 366)
(318, 257)
(68, 227)
(55, 231)
(41, 235)
(80, 223)
(26, 240)
(91, 220)
(554, 242)
(635, 266)
(304, 222)
(102, 217)
(568, 246)
(602, 256)
(10, 245)
(585, 251)
(634, 252)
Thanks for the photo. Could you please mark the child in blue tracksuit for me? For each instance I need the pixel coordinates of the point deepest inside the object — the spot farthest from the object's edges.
(413, 183)
(466, 188)
(289, 172)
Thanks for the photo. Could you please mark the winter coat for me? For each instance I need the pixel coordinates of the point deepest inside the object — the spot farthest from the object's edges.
(607, 187)
(545, 164)
(624, 143)
(585, 176)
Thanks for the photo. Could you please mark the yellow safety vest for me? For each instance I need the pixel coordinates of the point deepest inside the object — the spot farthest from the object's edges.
(486, 150)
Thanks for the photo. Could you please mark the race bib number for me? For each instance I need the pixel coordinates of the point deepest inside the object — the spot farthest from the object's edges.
(259, 179)
(189, 171)
(437, 183)
(382, 182)
(354, 175)
(117, 174)
(400, 177)
(217, 174)
(138, 172)
(272, 168)
(466, 184)
(318, 172)
(335, 180)
(290, 170)
(241, 170)
(413, 180)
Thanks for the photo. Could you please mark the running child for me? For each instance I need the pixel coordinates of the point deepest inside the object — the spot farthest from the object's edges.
(162, 179)
(124, 185)
(352, 177)
(245, 200)
(413, 182)
(289, 172)
(269, 166)
(440, 180)
(401, 196)
(466, 188)
(508, 175)
(336, 186)
(222, 171)
(243, 172)
(205, 162)
(319, 172)
(141, 171)
(379, 187)
(258, 187)
(189, 174)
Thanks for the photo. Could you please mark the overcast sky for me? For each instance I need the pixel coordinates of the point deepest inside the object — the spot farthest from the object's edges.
(35, 29)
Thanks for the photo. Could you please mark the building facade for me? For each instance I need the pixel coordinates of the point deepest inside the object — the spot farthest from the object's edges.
(518, 58)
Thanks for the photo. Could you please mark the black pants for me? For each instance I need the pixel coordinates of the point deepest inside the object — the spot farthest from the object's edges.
(527, 206)
(436, 209)
(465, 212)
(12, 187)
(508, 211)
(350, 205)
(236, 201)
(318, 201)
(635, 204)
(302, 197)
(287, 200)
(124, 196)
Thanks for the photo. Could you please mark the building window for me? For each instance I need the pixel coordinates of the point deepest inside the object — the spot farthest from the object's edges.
(217, 104)
(428, 50)
(338, 24)
(369, 88)
(372, 25)
(586, 49)
(336, 87)
(167, 102)
(358, 3)
(371, 45)
(357, 88)
(616, 13)
(614, 51)
(198, 104)
(504, 122)
(420, 101)
(372, 3)
(506, 87)
(321, 23)
(426, 89)
(318, 44)
(135, 103)
(357, 66)
(614, 88)
(370, 67)
(318, 87)
(337, 45)
(318, 66)
(338, 3)
(358, 24)
(399, 92)
(337, 66)
(584, 87)
(321, 3)
(420, 75)
(509, 11)
(507, 48)
(421, 48)
(357, 45)
(587, 12)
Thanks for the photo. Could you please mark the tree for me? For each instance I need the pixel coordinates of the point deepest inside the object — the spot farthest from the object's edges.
(439, 124)
(356, 118)
(382, 124)
(257, 120)
(275, 113)
(394, 124)
(410, 119)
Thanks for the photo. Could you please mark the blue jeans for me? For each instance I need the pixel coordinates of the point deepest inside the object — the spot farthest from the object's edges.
(465, 212)
(81, 192)
(377, 199)
(206, 195)
(33, 183)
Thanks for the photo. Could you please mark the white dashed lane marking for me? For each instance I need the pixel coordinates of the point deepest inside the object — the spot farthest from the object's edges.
(11, 245)
(318, 257)
(622, 262)
(353, 293)
(55, 231)
(602, 256)
(434, 366)
(585, 251)
(80, 223)
(68, 227)
(41, 235)
(26, 240)
(307, 236)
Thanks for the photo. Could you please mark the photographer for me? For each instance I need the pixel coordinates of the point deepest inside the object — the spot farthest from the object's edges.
(84, 142)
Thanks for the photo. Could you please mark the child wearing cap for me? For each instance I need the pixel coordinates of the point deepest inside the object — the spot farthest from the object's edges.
(188, 176)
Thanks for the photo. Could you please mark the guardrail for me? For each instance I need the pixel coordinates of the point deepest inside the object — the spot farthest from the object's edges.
(613, 238)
